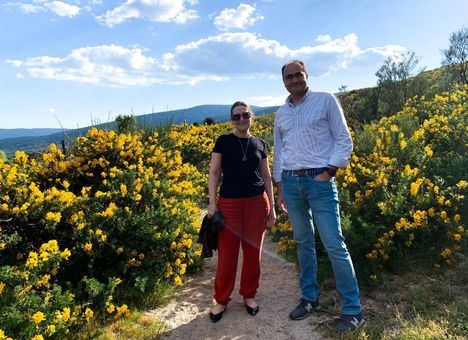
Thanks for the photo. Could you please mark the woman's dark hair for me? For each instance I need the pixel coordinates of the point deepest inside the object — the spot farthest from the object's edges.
(238, 103)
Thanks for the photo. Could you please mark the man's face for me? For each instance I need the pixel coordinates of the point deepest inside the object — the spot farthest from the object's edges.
(295, 79)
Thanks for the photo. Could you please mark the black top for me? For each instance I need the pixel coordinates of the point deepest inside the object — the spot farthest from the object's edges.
(241, 178)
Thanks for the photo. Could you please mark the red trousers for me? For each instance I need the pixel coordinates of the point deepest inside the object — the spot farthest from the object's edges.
(245, 223)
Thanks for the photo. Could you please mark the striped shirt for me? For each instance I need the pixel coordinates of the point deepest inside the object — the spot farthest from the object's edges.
(312, 134)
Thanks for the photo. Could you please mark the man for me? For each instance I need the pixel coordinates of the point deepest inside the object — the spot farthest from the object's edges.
(311, 141)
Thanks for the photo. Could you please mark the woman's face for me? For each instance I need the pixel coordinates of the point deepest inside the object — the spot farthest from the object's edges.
(243, 124)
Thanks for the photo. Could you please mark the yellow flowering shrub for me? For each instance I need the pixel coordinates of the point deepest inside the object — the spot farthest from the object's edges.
(404, 190)
(103, 219)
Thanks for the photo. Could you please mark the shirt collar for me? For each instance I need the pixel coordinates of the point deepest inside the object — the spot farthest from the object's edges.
(289, 102)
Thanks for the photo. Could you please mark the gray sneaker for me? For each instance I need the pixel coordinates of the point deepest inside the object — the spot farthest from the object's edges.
(304, 309)
(349, 323)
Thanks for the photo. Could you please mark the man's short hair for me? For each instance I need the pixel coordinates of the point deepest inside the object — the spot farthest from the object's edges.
(294, 61)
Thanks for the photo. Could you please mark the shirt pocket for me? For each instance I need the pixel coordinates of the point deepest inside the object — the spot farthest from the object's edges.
(316, 125)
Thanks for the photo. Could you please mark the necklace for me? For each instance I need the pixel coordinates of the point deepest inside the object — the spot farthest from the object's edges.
(244, 152)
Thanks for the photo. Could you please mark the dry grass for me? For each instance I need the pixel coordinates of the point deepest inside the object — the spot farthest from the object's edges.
(414, 305)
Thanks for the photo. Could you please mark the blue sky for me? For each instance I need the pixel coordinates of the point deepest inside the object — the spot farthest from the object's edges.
(71, 63)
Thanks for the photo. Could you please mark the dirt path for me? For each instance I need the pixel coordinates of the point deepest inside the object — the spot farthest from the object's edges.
(186, 316)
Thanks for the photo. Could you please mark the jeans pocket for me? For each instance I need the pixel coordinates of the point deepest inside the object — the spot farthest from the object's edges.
(321, 180)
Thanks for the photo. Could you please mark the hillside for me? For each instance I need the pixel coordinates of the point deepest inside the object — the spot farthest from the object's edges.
(40, 139)
(12, 133)
(361, 106)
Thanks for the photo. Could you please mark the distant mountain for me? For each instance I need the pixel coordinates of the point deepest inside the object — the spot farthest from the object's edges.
(12, 133)
(197, 114)
(191, 115)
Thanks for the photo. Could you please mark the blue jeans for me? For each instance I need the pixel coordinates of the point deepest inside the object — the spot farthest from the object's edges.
(307, 198)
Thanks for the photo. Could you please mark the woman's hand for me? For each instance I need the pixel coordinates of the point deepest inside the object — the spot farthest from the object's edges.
(271, 217)
(212, 208)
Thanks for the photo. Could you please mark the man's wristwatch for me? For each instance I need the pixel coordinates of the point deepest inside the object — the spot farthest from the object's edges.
(331, 171)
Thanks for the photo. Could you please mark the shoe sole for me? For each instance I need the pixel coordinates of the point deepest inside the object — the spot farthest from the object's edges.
(359, 325)
(302, 318)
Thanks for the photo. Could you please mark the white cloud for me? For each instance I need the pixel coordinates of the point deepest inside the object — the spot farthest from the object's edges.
(30, 8)
(153, 10)
(109, 65)
(267, 100)
(388, 51)
(237, 18)
(51, 110)
(249, 53)
(240, 55)
(59, 8)
(62, 9)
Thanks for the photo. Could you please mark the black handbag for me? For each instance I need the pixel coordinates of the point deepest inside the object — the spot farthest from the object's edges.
(217, 221)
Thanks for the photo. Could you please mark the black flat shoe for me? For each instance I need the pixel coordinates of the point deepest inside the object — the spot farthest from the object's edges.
(252, 310)
(216, 317)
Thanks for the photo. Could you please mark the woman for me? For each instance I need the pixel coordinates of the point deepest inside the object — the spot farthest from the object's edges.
(247, 205)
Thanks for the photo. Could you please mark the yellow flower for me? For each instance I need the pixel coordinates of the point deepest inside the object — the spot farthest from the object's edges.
(110, 309)
(38, 317)
(403, 144)
(38, 337)
(462, 184)
(446, 253)
(402, 224)
(178, 281)
(414, 188)
(44, 280)
(123, 189)
(65, 254)
(53, 217)
(88, 314)
(66, 314)
(32, 260)
(428, 151)
(21, 157)
(110, 210)
(2, 286)
(88, 246)
(3, 335)
(122, 310)
(456, 218)
(51, 328)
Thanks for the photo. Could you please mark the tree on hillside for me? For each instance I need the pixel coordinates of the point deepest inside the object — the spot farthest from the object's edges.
(456, 56)
(209, 121)
(360, 106)
(126, 124)
(393, 81)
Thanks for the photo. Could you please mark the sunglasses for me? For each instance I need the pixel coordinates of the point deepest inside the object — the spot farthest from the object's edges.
(291, 76)
(237, 116)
